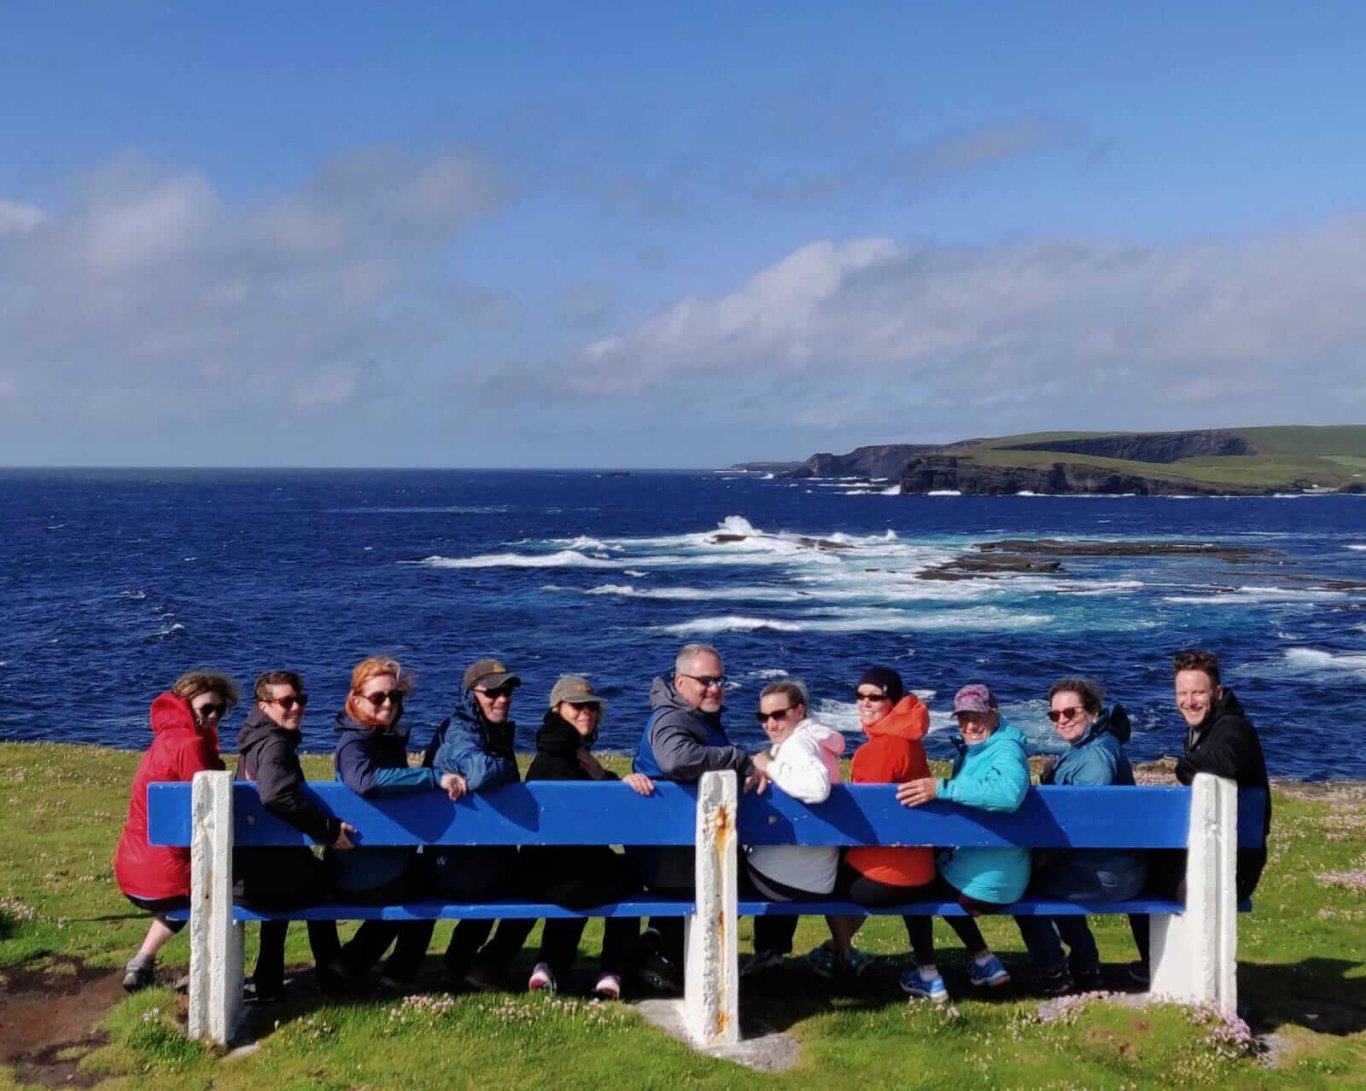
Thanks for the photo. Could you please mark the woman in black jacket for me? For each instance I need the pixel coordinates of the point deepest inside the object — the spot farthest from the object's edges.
(579, 877)
(284, 878)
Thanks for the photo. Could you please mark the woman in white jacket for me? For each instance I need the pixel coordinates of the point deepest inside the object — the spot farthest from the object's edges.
(803, 761)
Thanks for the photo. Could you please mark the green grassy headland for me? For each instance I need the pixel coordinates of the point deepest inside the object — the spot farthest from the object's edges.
(1302, 975)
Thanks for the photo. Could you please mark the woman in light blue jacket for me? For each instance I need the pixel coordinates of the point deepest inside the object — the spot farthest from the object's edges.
(990, 772)
(1095, 757)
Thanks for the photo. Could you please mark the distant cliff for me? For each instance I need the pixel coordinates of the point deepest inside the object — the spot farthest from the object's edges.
(1222, 462)
(885, 461)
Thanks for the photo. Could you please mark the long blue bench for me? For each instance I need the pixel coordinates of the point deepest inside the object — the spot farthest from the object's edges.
(1193, 945)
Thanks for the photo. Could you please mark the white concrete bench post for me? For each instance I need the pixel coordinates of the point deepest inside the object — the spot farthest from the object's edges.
(215, 938)
(711, 981)
(1194, 955)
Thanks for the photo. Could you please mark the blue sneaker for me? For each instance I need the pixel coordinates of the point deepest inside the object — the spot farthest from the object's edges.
(993, 974)
(917, 988)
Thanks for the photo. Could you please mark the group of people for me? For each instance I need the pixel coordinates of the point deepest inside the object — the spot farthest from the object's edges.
(684, 737)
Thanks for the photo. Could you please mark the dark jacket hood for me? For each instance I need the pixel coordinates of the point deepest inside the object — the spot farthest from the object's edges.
(557, 736)
(259, 727)
(1113, 721)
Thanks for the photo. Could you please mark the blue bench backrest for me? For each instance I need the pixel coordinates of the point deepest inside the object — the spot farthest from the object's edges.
(560, 813)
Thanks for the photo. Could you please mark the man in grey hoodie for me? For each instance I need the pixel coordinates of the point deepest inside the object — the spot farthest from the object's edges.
(683, 739)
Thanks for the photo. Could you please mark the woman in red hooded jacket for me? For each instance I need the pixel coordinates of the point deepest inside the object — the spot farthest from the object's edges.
(184, 740)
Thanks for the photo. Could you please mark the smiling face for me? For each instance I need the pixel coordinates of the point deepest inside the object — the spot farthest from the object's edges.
(779, 717)
(1069, 715)
(381, 699)
(1195, 696)
(703, 683)
(495, 704)
(582, 717)
(284, 706)
(872, 704)
(209, 708)
(976, 726)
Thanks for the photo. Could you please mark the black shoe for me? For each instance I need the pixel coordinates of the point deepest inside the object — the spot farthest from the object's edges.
(660, 974)
(1087, 980)
(272, 992)
(1055, 981)
(137, 977)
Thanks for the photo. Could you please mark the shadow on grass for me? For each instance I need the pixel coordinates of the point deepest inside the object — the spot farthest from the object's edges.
(1315, 994)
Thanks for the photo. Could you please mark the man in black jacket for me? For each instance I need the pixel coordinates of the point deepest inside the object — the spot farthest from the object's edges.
(284, 878)
(1220, 740)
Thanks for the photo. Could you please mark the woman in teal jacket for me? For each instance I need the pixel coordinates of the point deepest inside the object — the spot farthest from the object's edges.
(990, 772)
(1095, 757)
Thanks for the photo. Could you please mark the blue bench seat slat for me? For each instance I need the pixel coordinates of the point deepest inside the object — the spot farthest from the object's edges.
(558, 813)
(428, 909)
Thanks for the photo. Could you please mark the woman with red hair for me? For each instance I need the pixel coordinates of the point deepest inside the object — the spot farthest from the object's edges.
(372, 759)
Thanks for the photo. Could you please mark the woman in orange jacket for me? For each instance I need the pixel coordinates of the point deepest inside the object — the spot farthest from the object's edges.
(895, 722)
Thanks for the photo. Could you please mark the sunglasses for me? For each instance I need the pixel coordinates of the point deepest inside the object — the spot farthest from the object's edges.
(859, 695)
(494, 694)
(205, 711)
(717, 681)
(1056, 714)
(587, 706)
(289, 703)
(384, 697)
(780, 714)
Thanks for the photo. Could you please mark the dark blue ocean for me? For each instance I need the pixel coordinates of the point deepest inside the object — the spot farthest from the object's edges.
(113, 582)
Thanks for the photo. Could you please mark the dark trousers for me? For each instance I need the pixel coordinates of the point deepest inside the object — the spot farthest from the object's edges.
(409, 938)
(919, 929)
(269, 974)
(285, 878)
(773, 933)
(1167, 879)
(595, 878)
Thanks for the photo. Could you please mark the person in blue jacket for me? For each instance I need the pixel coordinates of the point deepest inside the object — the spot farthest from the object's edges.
(477, 744)
(1095, 756)
(372, 759)
(991, 772)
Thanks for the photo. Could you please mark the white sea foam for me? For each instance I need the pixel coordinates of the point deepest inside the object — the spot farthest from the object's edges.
(944, 492)
(1315, 661)
(731, 623)
(702, 594)
(565, 558)
(133, 596)
(867, 620)
(1357, 548)
(770, 673)
(1247, 596)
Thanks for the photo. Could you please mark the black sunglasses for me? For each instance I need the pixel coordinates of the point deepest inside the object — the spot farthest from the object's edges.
(384, 697)
(211, 709)
(501, 691)
(288, 703)
(707, 681)
(780, 714)
(1056, 714)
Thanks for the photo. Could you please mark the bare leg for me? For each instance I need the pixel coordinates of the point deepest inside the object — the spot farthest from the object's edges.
(842, 932)
(158, 934)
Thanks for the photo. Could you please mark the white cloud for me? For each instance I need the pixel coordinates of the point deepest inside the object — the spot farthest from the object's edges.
(151, 294)
(1265, 328)
(17, 218)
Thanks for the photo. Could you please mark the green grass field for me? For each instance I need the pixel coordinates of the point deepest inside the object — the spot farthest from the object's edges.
(1301, 976)
(1322, 456)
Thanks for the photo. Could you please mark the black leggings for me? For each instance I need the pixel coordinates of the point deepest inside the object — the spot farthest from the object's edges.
(865, 891)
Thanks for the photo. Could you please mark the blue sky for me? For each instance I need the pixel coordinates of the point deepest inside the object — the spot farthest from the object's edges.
(526, 234)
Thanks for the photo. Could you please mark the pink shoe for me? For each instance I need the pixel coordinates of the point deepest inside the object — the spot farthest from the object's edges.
(541, 979)
(607, 988)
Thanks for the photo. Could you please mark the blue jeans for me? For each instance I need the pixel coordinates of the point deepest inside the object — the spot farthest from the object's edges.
(1076, 876)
